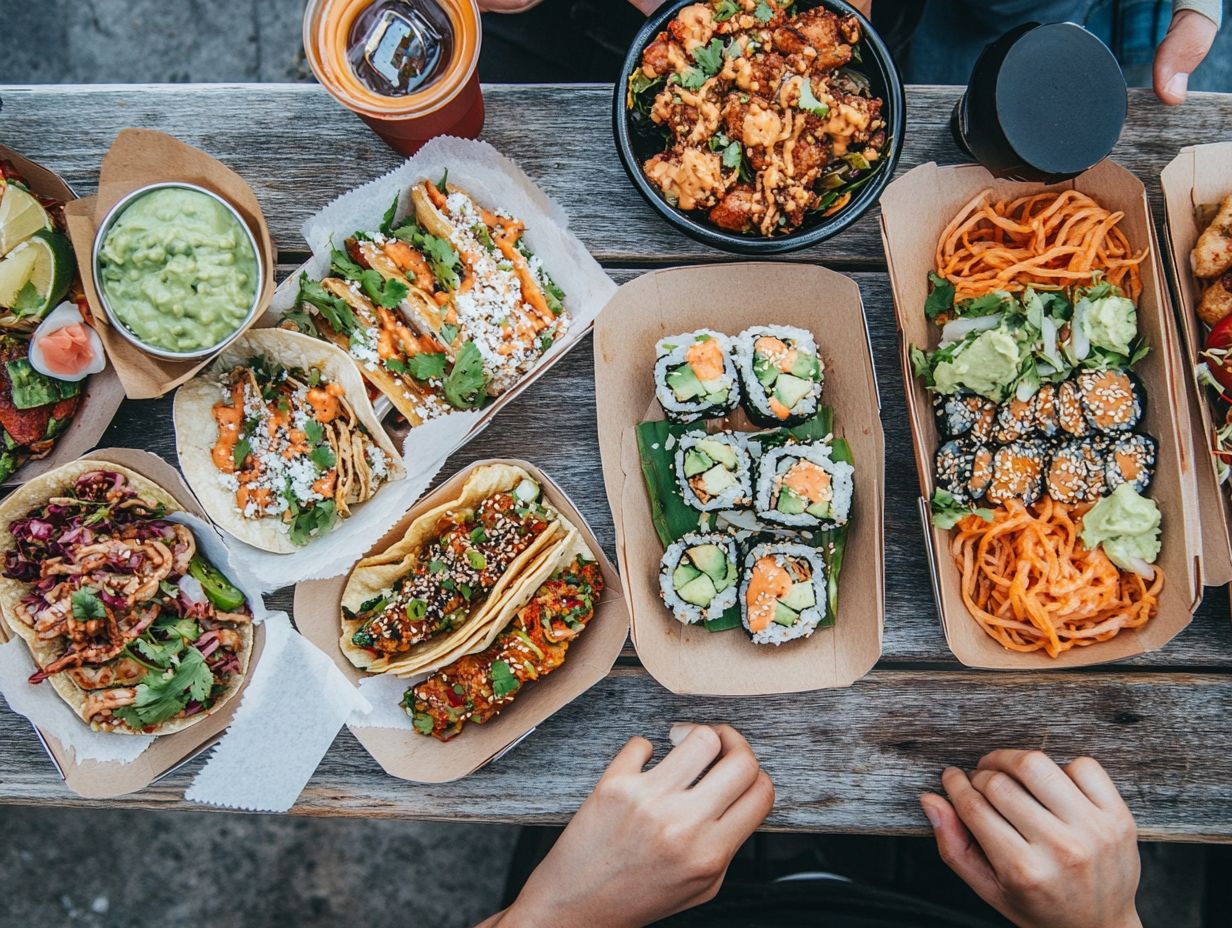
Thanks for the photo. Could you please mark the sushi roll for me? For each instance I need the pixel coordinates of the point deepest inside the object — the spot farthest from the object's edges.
(964, 468)
(965, 415)
(714, 471)
(697, 576)
(1112, 401)
(782, 592)
(1015, 421)
(781, 374)
(1075, 473)
(695, 377)
(1017, 473)
(1070, 413)
(802, 486)
(1130, 459)
(1047, 419)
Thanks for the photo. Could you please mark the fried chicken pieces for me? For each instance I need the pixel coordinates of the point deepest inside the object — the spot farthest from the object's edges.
(757, 111)
(1212, 263)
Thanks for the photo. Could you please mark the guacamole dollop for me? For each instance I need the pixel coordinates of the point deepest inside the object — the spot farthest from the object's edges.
(1112, 323)
(178, 270)
(984, 365)
(1126, 525)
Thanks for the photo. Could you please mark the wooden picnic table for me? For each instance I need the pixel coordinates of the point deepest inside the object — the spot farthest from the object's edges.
(850, 760)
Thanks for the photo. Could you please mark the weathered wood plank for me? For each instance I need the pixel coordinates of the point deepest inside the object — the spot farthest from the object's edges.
(849, 760)
(299, 149)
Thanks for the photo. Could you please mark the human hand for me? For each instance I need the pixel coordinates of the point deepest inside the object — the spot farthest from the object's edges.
(1188, 40)
(648, 843)
(1043, 845)
(507, 6)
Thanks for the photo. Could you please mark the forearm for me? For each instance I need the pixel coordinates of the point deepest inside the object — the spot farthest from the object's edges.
(1211, 9)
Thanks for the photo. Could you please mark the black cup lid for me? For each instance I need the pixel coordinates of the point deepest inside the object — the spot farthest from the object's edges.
(1044, 102)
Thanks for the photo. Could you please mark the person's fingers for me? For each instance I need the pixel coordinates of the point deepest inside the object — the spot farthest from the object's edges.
(997, 837)
(734, 772)
(1188, 40)
(957, 847)
(865, 7)
(1094, 782)
(631, 758)
(1016, 805)
(689, 759)
(746, 813)
(1043, 779)
(647, 6)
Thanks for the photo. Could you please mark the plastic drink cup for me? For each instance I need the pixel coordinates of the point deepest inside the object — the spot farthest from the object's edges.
(408, 68)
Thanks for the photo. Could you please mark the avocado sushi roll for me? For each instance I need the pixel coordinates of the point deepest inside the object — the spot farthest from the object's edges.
(802, 486)
(1017, 473)
(1112, 401)
(782, 592)
(964, 468)
(695, 377)
(1130, 459)
(965, 415)
(715, 471)
(781, 374)
(697, 576)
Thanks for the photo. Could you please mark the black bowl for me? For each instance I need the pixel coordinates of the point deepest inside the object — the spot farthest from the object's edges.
(636, 147)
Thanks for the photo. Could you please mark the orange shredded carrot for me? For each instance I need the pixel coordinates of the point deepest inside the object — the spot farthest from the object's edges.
(1047, 241)
(1032, 585)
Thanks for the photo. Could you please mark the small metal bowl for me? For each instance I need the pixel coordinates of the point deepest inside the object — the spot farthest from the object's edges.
(635, 147)
(101, 236)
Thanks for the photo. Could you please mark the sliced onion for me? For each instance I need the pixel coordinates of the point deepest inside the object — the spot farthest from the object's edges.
(1080, 345)
(1140, 567)
(957, 329)
(1048, 331)
(1025, 391)
(192, 589)
(62, 317)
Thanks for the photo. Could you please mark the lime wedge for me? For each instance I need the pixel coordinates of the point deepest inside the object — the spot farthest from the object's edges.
(21, 215)
(36, 274)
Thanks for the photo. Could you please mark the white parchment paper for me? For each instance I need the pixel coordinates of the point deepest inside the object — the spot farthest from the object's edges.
(382, 694)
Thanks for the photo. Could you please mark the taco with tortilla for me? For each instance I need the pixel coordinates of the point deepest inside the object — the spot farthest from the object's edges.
(278, 440)
(131, 625)
(411, 606)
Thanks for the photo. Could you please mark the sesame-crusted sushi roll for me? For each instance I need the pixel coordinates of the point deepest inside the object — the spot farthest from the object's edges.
(1070, 413)
(1074, 473)
(965, 415)
(781, 374)
(1047, 417)
(695, 377)
(782, 592)
(697, 576)
(1017, 473)
(1112, 401)
(1130, 459)
(964, 469)
(802, 486)
(714, 471)
(1015, 421)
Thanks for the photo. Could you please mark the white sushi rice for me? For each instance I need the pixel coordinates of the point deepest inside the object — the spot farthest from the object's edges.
(688, 613)
(741, 494)
(754, 393)
(775, 633)
(671, 352)
(776, 462)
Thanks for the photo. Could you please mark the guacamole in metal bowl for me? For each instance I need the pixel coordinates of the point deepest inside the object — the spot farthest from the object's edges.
(177, 270)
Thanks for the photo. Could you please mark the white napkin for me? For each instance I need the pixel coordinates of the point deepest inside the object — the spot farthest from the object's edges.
(383, 695)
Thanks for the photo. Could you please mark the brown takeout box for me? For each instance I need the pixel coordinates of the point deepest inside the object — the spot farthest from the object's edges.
(729, 298)
(95, 780)
(915, 209)
(409, 755)
(102, 393)
(1199, 177)
(137, 158)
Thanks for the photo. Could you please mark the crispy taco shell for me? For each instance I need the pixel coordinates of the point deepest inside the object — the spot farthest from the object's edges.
(373, 575)
(38, 491)
(196, 431)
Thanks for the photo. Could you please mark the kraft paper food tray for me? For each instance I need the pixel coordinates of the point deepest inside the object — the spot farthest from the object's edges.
(94, 780)
(730, 298)
(139, 157)
(914, 211)
(409, 755)
(102, 393)
(1199, 176)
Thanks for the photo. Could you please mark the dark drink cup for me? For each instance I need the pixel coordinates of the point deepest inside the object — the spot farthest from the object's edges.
(1045, 102)
(407, 68)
